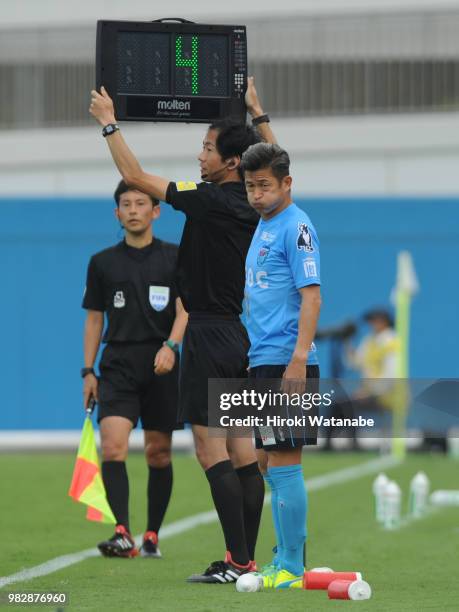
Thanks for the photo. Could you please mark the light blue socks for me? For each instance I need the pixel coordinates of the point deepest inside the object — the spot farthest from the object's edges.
(275, 514)
(289, 509)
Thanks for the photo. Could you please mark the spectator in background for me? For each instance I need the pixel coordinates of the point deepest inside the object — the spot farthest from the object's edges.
(375, 357)
(376, 360)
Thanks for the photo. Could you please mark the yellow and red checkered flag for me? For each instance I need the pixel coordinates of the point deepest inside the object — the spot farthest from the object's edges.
(87, 486)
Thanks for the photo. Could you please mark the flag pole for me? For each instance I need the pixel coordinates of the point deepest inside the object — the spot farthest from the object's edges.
(406, 287)
(87, 486)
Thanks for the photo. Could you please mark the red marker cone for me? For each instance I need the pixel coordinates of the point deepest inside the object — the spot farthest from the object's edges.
(349, 589)
(321, 580)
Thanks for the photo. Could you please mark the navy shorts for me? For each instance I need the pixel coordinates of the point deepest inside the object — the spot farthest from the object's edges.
(214, 346)
(276, 438)
(128, 387)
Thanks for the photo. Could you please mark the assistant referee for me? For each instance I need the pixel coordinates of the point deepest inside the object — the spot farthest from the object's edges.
(219, 226)
(133, 284)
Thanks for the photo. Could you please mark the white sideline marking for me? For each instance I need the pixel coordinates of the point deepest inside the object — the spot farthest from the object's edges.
(203, 518)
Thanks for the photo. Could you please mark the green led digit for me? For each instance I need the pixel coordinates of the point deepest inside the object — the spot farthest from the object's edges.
(181, 62)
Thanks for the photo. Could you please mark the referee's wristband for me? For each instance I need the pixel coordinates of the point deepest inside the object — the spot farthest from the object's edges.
(260, 119)
(110, 129)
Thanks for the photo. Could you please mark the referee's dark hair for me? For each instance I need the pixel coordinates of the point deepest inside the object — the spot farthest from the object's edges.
(233, 137)
(265, 155)
(122, 188)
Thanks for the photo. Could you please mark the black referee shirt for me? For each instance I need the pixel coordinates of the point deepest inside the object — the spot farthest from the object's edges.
(136, 289)
(219, 227)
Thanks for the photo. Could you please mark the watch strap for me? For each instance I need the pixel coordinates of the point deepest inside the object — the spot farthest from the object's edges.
(172, 345)
(260, 119)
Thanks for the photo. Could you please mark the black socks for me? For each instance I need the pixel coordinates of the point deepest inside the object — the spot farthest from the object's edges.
(158, 493)
(228, 500)
(116, 484)
(253, 493)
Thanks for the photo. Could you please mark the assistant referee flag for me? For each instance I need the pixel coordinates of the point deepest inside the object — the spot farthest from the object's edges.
(87, 486)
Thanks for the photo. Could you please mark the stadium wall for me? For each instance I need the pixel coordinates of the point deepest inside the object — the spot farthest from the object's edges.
(46, 243)
(375, 155)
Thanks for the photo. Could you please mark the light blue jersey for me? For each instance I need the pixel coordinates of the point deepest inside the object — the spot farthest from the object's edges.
(283, 257)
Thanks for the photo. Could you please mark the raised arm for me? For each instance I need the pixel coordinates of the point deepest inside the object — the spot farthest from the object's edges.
(255, 110)
(102, 110)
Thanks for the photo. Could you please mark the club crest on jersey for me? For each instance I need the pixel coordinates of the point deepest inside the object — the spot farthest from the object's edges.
(262, 254)
(304, 240)
(159, 297)
(119, 301)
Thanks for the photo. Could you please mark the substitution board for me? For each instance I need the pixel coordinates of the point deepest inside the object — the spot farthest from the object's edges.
(167, 71)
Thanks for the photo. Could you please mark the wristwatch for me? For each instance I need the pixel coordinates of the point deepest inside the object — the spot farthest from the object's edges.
(109, 129)
(260, 119)
(85, 371)
(172, 345)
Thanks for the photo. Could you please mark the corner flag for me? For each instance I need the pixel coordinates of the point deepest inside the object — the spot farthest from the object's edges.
(406, 287)
(87, 486)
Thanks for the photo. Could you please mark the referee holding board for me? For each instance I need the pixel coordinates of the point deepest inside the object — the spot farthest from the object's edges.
(133, 284)
(218, 230)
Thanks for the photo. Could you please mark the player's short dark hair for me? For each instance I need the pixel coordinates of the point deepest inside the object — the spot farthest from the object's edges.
(123, 187)
(265, 155)
(233, 137)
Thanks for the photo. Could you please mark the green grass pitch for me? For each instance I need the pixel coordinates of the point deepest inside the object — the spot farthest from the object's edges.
(412, 569)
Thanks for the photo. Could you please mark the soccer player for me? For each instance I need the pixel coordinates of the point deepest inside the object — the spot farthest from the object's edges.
(133, 284)
(282, 308)
(218, 230)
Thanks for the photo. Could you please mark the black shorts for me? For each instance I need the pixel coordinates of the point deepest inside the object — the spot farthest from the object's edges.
(214, 346)
(275, 438)
(128, 387)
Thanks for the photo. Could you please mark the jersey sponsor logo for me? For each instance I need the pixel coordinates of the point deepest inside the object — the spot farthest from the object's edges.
(186, 186)
(304, 240)
(262, 254)
(159, 297)
(310, 268)
(119, 301)
(267, 236)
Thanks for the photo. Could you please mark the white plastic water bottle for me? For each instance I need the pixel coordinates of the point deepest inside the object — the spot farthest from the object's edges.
(453, 443)
(419, 493)
(379, 484)
(392, 501)
(445, 498)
